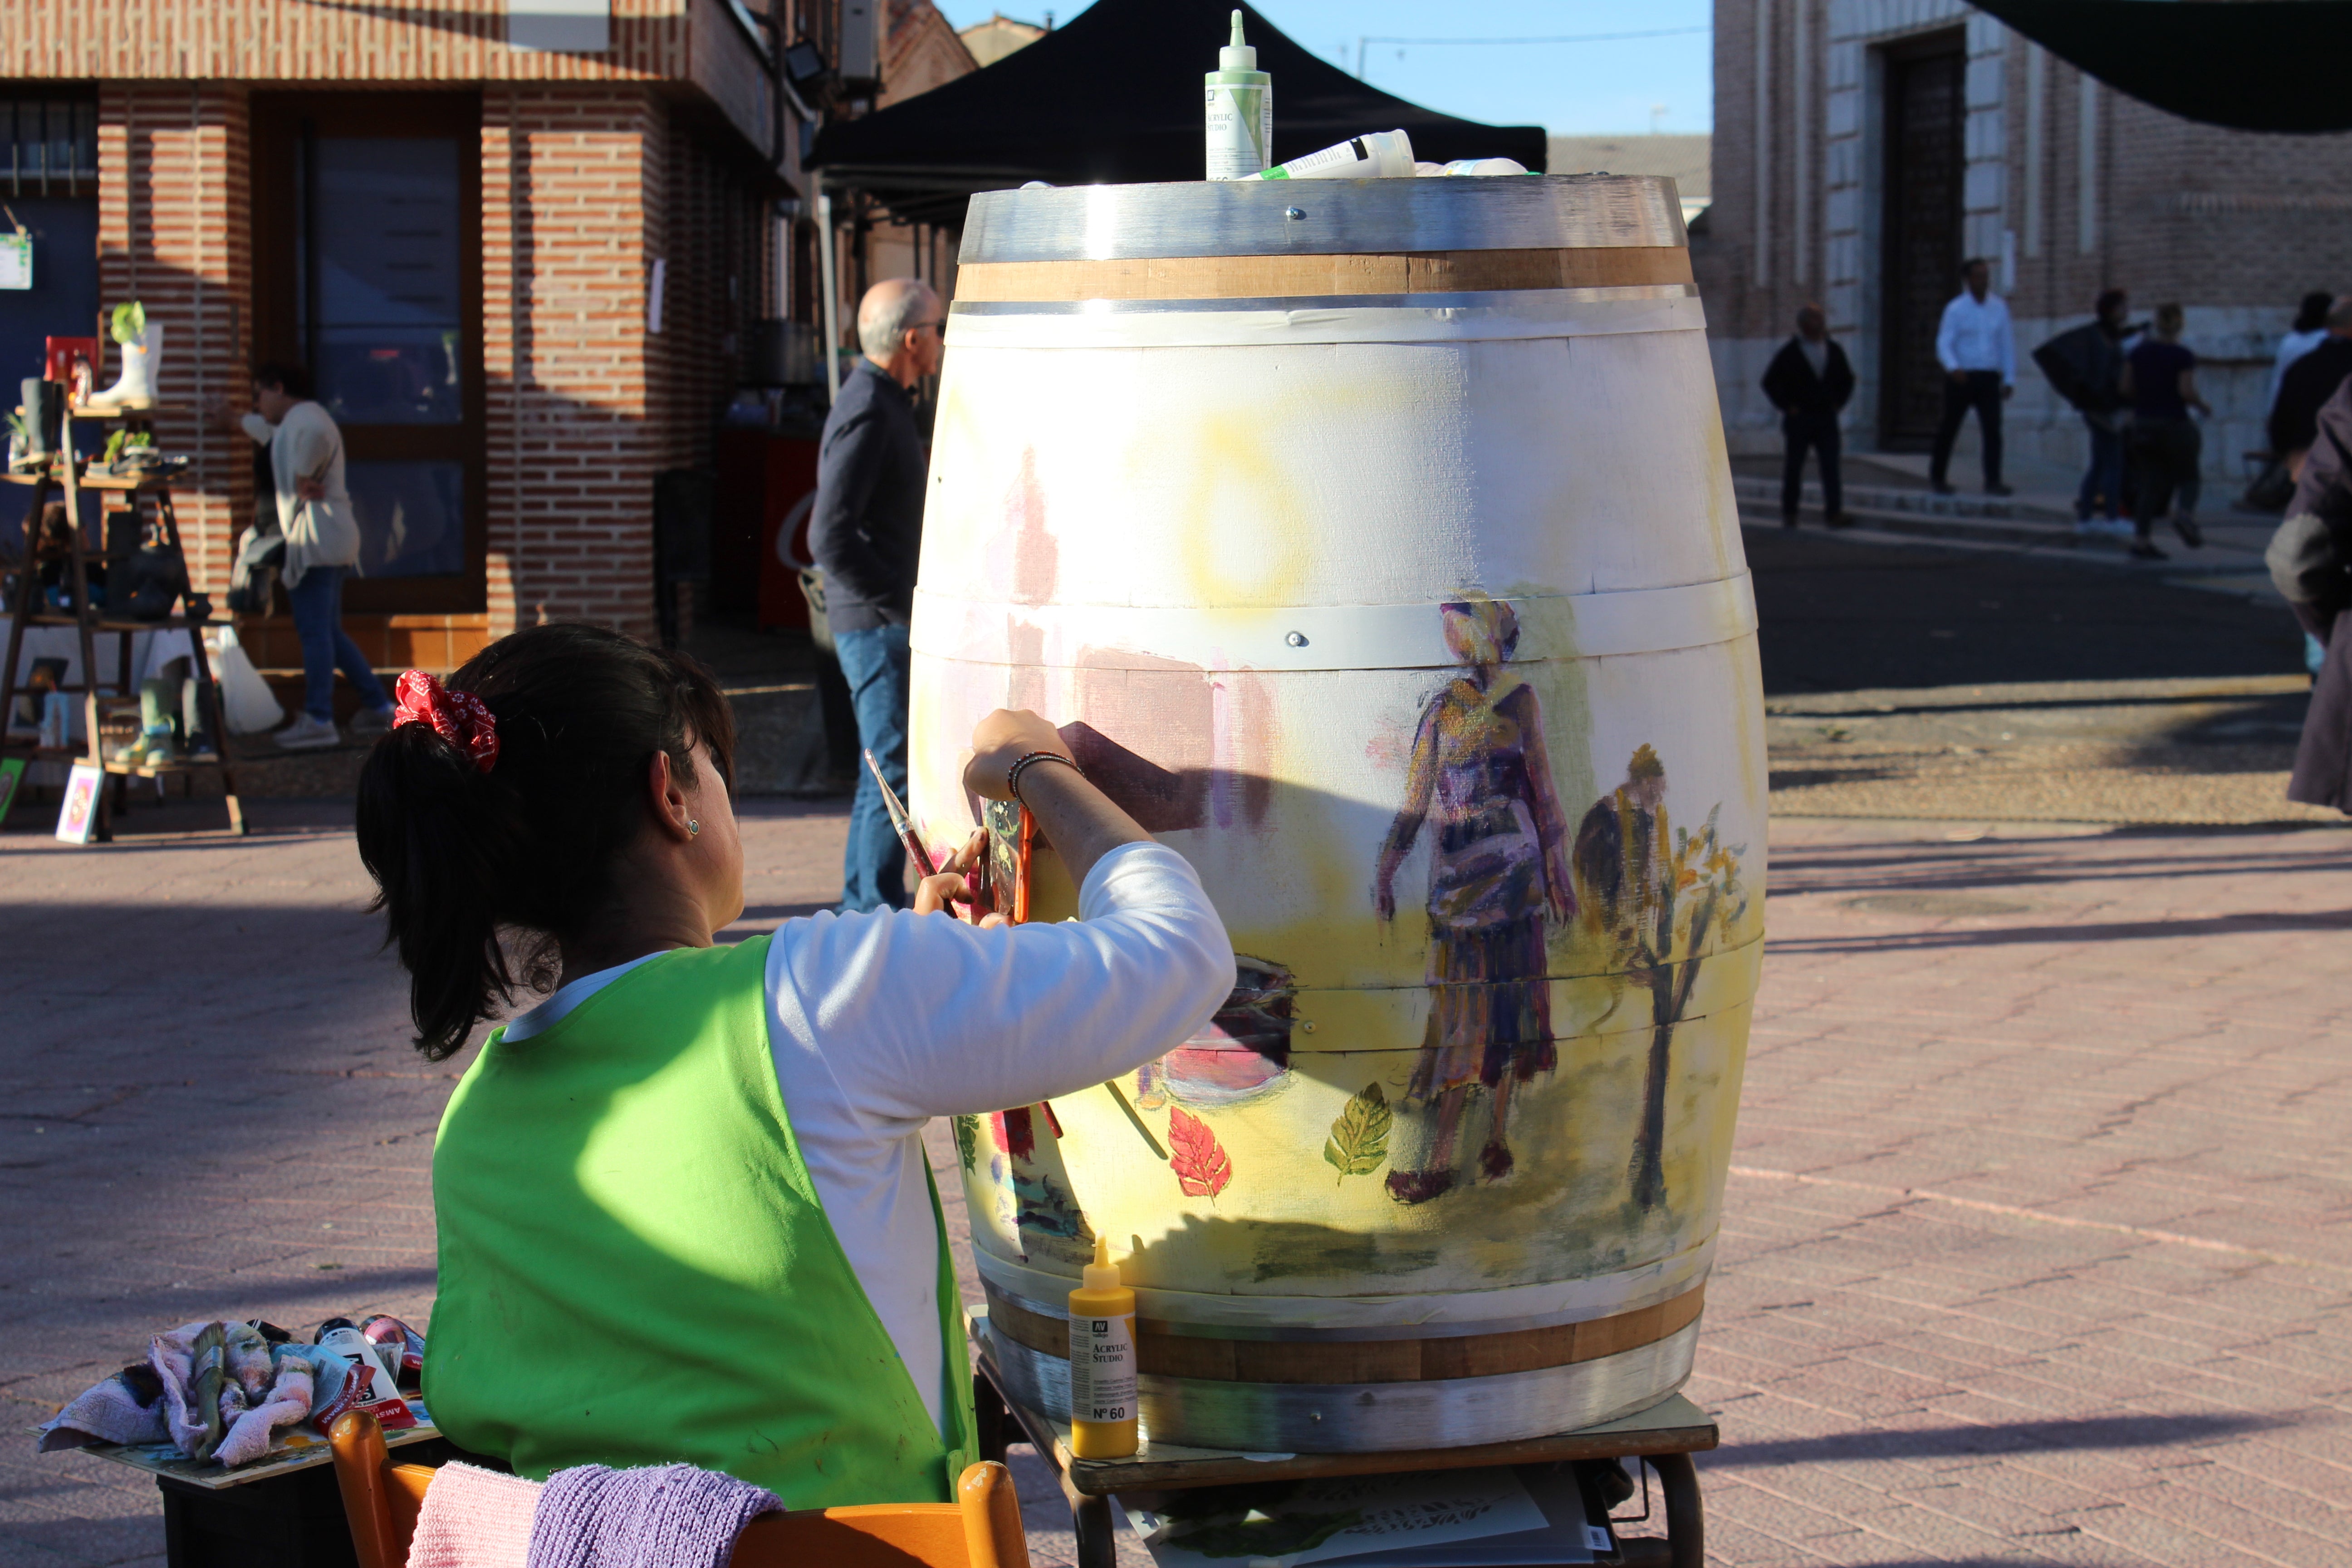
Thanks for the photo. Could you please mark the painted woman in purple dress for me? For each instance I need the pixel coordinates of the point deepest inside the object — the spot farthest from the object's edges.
(1498, 867)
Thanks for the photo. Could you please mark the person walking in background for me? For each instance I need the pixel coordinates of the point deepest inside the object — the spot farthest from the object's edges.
(322, 544)
(2085, 366)
(2310, 331)
(2310, 561)
(2309, 383)
(866, 533)
(1977, 349)
(2160, 380)
(1809, 381)
(2274, 486)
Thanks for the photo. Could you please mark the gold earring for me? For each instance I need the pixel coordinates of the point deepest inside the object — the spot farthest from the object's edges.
(693, 828)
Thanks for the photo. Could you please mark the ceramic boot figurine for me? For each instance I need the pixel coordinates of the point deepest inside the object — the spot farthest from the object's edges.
(139, 357)
(32, 435)
(194, 723)
(156, 743)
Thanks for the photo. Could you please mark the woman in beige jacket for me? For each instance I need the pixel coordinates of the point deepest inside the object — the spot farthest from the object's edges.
(322, 543)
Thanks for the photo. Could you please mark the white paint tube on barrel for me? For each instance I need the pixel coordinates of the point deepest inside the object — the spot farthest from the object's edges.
(1376, 155)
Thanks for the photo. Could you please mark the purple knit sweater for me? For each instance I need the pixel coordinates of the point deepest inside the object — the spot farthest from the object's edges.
(668, 1516)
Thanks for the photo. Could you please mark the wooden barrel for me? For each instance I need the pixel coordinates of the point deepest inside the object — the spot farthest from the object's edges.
(1376, 541)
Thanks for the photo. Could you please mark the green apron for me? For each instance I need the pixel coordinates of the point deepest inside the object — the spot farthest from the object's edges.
(635, 1267)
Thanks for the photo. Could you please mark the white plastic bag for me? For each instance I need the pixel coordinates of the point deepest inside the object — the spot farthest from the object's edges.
(246, 701)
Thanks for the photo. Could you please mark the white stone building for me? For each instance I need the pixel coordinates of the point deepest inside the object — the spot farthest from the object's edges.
(1864, 148)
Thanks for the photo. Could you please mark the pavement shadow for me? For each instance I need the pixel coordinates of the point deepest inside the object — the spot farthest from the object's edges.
(2094, 1433)
(1831, 609)
(1904, 868)
(2071, 935)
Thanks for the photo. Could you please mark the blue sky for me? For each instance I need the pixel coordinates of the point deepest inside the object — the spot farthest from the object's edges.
(1565, 88)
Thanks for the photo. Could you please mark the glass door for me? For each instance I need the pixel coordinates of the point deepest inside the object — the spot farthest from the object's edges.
(367, 272)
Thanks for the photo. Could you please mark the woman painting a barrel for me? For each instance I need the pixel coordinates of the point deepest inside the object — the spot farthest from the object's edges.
(683, 1206)
(1499, 863)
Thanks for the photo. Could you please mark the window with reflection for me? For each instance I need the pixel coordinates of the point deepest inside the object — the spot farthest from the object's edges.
(368, 272)
(384, 255)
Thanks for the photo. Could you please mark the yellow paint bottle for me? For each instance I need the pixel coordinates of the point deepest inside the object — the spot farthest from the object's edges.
(1102, 1361)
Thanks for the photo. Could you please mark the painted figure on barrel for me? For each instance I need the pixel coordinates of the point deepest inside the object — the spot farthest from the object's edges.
(1498, 871)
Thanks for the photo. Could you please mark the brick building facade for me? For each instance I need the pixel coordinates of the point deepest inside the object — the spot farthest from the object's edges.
(523, 277)
(1863, 148)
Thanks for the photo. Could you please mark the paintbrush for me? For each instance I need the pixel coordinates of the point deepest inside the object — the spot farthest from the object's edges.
(1124, 1105)
(898, 818)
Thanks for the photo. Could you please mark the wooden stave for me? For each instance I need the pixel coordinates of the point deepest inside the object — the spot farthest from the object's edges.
(1164, 1353)
(1321, 276)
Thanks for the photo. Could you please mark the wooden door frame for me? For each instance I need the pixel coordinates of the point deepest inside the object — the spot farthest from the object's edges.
(278, 120)
(1893, 57)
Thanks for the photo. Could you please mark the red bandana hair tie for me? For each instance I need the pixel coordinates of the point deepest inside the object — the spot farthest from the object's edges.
(457, 717)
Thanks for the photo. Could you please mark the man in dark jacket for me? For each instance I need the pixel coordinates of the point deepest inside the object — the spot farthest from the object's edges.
(866, 533)
(2310, 381)
(1809, 381)
(2085, 366)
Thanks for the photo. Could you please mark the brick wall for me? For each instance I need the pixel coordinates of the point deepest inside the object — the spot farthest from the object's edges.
(573, 190)
(717, 239)
(174, 233)
(453, 41)
(584, 188)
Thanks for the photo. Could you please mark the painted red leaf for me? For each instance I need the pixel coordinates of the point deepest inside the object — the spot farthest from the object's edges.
(1202, 1165)
(1014, 1133)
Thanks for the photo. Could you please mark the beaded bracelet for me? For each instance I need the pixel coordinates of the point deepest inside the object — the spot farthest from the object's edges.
(1013, 773)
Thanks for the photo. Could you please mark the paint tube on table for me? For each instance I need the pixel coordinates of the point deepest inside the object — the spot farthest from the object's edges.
(368, 1387)
(1472, 166)
(400, 1347)
(1376, 155)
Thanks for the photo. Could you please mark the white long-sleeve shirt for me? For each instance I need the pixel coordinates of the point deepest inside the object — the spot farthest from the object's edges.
(1976, 335)
(880, 1021)
(2292, 347)
(308, 444)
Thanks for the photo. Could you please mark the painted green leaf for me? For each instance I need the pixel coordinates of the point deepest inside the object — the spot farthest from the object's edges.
(967, 1137)
(1359, 1143)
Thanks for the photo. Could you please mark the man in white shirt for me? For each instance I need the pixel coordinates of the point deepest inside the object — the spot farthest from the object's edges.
(1979, 353)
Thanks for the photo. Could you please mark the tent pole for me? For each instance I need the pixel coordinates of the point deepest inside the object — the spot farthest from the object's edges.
(827, 265)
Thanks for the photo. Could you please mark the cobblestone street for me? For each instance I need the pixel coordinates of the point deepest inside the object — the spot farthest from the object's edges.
(2034, 1252)
(2035, 1247)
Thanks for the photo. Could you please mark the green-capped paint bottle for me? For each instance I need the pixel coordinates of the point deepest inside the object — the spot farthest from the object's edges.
(1240, 112)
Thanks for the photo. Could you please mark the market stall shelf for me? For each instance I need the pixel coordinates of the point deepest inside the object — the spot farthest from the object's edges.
(146, 496)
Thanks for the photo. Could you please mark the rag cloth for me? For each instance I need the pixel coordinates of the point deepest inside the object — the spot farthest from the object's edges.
(474, 1517)
(665, 1516)
(293, 1382)
(126, 1408)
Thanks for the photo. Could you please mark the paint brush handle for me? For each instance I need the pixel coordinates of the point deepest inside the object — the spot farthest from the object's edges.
(898, 819)
(915, 848)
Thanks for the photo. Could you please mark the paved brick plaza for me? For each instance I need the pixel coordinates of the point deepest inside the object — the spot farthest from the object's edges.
(2035, 1251)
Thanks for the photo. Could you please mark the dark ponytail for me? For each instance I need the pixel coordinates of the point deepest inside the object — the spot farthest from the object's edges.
(463, 859)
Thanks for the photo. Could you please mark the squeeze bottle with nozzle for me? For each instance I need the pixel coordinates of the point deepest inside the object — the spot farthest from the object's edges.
(1239, 110)
(1102, 1361)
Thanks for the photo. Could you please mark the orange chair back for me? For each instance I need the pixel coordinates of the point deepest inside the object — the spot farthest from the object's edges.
(981, 1529)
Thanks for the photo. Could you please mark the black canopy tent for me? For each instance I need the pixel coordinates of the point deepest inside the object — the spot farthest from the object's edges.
(1116, 97)
(2251, 65)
